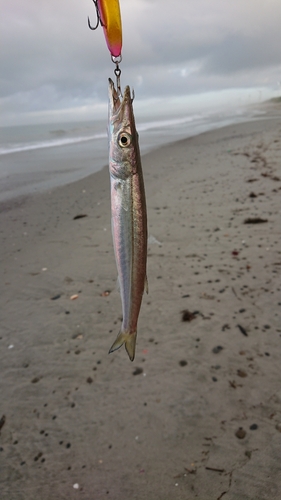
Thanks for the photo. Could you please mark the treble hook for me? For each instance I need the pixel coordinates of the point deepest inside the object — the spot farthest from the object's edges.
(117, 72)
(99, 21)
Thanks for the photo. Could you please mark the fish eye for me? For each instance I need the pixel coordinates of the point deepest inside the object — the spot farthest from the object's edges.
(124, 139)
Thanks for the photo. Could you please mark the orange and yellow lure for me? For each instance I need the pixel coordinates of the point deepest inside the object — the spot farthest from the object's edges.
(109, 16)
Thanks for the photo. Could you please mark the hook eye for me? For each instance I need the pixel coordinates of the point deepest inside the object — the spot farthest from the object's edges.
(124, 139)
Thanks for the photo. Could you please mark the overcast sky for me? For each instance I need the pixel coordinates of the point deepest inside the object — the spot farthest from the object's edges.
(53, 67)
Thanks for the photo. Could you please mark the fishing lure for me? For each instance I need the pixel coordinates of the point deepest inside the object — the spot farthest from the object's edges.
(109, 17)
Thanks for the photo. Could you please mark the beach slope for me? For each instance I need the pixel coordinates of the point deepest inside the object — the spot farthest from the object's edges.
(197, 415)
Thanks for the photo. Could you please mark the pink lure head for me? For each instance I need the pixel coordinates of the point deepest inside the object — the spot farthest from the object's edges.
(110, 16)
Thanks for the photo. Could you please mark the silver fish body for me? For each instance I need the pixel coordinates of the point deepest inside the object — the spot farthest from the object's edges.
(128, 214)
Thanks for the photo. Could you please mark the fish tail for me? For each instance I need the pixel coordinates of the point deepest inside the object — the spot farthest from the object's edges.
(129, 339)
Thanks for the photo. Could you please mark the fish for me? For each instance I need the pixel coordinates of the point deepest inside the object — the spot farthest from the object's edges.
(128, 213)
(110, 16)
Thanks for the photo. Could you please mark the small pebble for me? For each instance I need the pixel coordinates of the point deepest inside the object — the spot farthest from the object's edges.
(241, 373)
(35, 380)
(187, 315)
(217, 349)
(55, 297)
(76, 486)
(278, 426)
(137, 371)
(253, 427)
(183, 362)
(240, 433)
(225, 327)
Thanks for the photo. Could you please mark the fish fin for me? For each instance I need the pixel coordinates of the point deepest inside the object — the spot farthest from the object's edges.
(129, 339)
(146, 284)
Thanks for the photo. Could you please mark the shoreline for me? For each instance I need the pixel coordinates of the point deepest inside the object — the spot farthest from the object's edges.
(36, 177)
(197, 413)
(20, 199)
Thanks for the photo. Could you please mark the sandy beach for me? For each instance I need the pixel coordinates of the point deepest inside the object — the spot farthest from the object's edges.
(197, 414)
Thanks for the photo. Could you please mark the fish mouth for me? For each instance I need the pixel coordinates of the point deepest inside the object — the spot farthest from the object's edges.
(119, 106)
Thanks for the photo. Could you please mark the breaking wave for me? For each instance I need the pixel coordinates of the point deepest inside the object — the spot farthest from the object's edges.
(51, 143)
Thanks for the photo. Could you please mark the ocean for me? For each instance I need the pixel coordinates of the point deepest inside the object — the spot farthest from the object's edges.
(36, 158)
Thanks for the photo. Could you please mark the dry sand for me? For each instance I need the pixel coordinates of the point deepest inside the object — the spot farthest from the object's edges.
(78, 423)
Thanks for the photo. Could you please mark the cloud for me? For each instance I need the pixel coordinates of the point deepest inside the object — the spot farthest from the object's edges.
(52, 61)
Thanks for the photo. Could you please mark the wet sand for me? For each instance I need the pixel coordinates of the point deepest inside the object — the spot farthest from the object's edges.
(197, 414)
